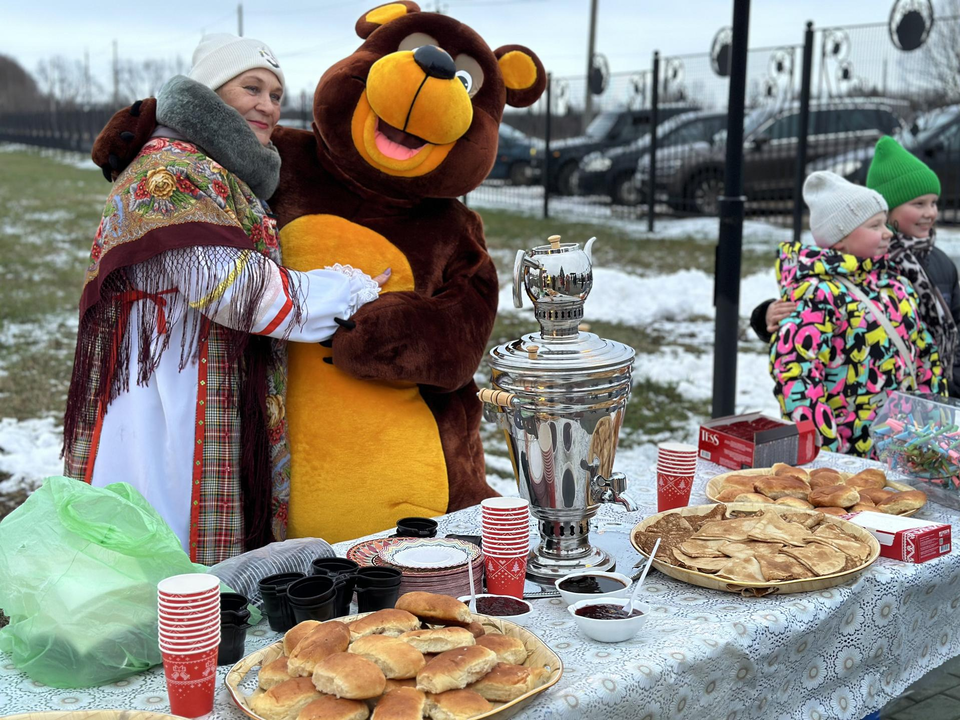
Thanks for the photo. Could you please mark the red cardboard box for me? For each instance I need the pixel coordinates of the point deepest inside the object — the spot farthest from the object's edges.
(756, 440)
(904, 538)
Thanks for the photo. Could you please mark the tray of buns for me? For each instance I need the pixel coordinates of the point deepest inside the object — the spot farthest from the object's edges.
(755, 549)
(428, 657)
(830, 491)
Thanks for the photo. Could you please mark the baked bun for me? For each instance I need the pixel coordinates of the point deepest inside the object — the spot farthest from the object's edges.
(730, 494)
(794, 503)
(350, 676)
(284, 700)
(324, 640)
(328, 707)
(456, 669)
(384, 622)
(874, 494)
(395, 658)
(508, 649)
(784, 469)
(476, 629)
(439, 640)
(507, 682)
(833, 510)
(273, 673)
(401, 704)
(902, 502)
(746, 483)
(863, 507)
(294, 635)
(438, 609)
(456, 705)
(780, 486)
(869, 478)
(824, 477)
(397, 684)
(834, 496)
(752, 498)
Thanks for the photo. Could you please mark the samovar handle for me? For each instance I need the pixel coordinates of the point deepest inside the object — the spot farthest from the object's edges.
(523, 260)
(500, 398)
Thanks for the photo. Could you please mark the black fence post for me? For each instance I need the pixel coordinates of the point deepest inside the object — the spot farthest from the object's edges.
(802, 132)
(732, 203)
(546, 152)
(654, 104)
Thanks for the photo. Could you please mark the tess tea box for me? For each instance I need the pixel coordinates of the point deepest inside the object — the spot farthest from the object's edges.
(755, 440)
(903, 538)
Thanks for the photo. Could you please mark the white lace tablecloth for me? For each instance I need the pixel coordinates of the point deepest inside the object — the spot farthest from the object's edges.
(839, 653)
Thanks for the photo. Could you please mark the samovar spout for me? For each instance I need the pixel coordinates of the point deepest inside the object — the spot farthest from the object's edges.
(613, 490)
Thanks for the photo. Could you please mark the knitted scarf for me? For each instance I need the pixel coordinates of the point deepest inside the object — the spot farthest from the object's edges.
(907, 255)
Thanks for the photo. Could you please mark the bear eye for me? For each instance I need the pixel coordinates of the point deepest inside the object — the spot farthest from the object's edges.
(467, 80)
(416, 40)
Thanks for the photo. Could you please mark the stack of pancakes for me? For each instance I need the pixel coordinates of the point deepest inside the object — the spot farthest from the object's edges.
(822, 488)
(761, 547)
(392, 664)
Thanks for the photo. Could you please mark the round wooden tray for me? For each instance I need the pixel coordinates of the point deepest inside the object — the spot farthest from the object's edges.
(539, 654)
(747, 589)
(93, 715)
(713, 486)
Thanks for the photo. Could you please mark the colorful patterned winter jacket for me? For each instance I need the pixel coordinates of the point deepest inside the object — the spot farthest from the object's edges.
(832, 360)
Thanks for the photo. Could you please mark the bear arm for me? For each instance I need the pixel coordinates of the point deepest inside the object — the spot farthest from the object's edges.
(121, 139)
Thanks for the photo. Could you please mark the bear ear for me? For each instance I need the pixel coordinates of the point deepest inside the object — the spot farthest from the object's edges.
(383, 14)
(523, 74)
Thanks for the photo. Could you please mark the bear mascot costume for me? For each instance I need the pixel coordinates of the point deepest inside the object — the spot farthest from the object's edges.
(384, 423)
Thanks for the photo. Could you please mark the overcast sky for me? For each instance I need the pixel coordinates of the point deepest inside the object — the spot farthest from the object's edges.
(308, 37)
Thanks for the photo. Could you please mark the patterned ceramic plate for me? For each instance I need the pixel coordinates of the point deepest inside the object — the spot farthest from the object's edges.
(429, 553)
(365, 553)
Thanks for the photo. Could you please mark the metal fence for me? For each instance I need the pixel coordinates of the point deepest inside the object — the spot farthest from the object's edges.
(652, 143)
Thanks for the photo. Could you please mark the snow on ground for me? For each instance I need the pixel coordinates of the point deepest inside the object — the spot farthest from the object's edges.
(81, 161)
(29, 451)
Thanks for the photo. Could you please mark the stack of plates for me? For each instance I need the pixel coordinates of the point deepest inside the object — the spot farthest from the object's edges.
(437, 565)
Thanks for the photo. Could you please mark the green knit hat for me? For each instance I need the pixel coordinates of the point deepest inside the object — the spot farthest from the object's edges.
(898, 175)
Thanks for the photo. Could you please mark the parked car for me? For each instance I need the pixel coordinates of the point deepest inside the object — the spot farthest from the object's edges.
(934, 137)
(691, 179)
(607, 130)
(515, 151)
(610, 172)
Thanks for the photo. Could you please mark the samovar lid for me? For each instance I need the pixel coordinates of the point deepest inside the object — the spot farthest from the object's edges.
(584, 351)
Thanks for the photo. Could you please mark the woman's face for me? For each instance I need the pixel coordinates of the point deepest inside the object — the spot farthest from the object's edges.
(916, 218)
(256, 95)
(869, 240)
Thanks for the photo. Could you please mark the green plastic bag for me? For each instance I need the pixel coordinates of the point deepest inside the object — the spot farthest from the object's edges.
(79, 568)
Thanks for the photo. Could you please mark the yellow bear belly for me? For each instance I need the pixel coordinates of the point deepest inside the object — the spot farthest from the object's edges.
(363, 453)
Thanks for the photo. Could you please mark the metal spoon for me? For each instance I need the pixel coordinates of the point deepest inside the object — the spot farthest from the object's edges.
(628, 608)
(473, 592)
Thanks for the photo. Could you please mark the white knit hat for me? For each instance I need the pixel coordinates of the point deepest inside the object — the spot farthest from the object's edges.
(222, 56)
(838, 207)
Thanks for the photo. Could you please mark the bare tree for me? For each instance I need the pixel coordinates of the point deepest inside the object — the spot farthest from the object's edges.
(65, 83)
(18, 90)
(936, 79)
(144, 78)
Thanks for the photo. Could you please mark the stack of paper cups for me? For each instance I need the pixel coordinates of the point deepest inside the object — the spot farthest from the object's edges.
(189, 631)
(505, 530)
(676, 466)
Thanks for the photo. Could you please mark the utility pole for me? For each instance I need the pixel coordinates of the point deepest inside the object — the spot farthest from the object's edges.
(116, 76)
(86, 78)
(240, 19)
(588, 100)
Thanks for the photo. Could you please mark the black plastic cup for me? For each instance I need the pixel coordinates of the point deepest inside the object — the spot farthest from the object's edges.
(276, 605)
(313, 598)
(416, 527)
(378, 577)
(377, 598)
(333, 566)
(233, 638)
(344, 583)
(233, 609)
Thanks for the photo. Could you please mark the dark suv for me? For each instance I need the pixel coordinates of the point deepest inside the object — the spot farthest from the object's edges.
(691, 177)
(610, 172)
(608, 129)
(515, 150)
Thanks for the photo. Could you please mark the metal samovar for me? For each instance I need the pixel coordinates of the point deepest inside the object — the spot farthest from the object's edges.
(559, 396)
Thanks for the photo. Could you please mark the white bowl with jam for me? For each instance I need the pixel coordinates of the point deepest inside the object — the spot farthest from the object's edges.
(501, 606)
(592, 584)
(604, 620)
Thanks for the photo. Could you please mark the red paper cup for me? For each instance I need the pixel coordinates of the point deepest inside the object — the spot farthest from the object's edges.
(173, 627)
(677, 463)
(522, 526)
(184, 609)
(505, 576)
(188, 614)
(504, 503)
(673, 490)
(675, 447)
(189, 647)
(500, 543)
(511, 539)
(677, 469)
(189, 631)
(189, 586)
(191, 681)
(505, 518)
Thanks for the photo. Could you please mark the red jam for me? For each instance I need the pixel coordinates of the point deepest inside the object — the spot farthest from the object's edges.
(591, 584)
(606, 612)
(501, 606)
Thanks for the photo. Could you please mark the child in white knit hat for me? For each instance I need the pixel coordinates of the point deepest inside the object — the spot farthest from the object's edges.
(855, 334)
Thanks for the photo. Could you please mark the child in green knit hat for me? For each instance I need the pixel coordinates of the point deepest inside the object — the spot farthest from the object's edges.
(912, 191)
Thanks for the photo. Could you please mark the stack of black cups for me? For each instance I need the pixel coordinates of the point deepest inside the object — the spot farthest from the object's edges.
(313, 598)
(377, 588)
(234, 621)
(343, 574)
(276, 604)
(416, 527)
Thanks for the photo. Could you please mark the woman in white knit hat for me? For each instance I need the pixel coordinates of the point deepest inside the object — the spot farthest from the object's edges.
(179, 375)
(856, 334)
